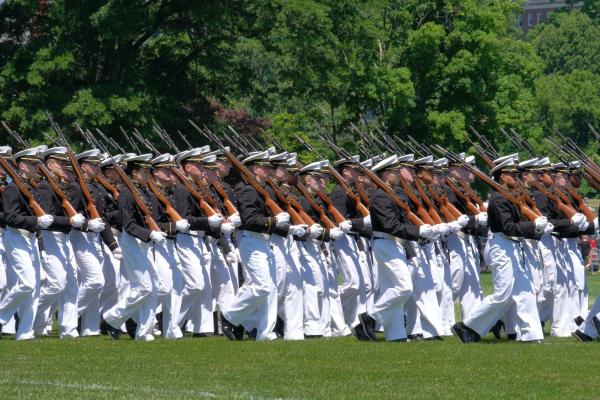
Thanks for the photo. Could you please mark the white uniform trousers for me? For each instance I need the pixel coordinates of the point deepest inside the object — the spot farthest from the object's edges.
(222, 276)
(564, 308)
(547, 247)
(464, 267)
(512, 284)
(111, 270)
(55, 261)
(170, 287)
(366, 262)
(6, 281)
(255, 304)
(352, 291)
(422, 310)
(445, 298)
(23, 260)
(317, 317)
(580, 291)
(67, 303)
(197, 299)
(289, 286)
(88, 254)
(395, 287)
(143, 294)
(336, 325)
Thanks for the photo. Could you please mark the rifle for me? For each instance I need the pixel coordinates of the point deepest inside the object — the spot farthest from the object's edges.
(521, 205)
(488, 145)
(99, 177)
(241, 168)
(33, 204)
(323, 218)
(90, 205)
(472, 195)
(148, 218)
(465, 199)
(585, 210)
(433, 214)
(480, 150)
(560, 204)
(200, 199)
(360, 207)
(412, 217)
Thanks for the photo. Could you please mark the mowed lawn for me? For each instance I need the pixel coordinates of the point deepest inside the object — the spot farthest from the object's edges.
(344, 368)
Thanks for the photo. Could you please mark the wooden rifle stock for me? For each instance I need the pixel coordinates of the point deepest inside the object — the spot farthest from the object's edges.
(318, 209)
(430, 207)
(360, 207)
(169, 210)
(364, 198)
(561, 205)
(585, 210)
(473, 195)
(334, 212)
(64, 201)
(294, 216)
(229, 206)
(204, 206)
(108, 186)
(33, 204)
(465, 199)
(421, 212)
(90, 205)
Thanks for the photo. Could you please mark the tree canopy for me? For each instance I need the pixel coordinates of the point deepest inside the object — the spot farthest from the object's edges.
(271, 68)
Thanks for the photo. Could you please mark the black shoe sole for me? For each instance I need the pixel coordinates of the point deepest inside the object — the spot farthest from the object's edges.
(366, 328)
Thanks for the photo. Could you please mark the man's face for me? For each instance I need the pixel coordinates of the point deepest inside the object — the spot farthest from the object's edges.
(141, 175)
(280, 174)
(509, 179)
(210, 174)
(112, 175)
(528, 178)
(407, 173)
(28, 169)
(57, 167)
(392, 177)
(261, 172)
(312, 182)
(547, 178)
(425, 175)
(223, 168)
(575, 179)
(165, 177)
(90, 170)
(561, 179)
(350, 174)
(193, 170)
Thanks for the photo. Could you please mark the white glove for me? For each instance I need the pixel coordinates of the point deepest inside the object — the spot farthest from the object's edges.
(231, 258)
(463, 220)
(45, 221)
(182, 225)
(577, 219)
(117, 254)
(158, 237)
(315, 231)
(367, 221)
(214, 221)
(227, 228)
(77, 220)
(297, 230)
(335, 233)
(96, 225)
(540, 223)
(235, 219)
(282, 219)
(426, 231)
(345, 226)
(596, 227)
(583, 226)
(548, 229)
(454, 226)
(441, 229)
(482, 218)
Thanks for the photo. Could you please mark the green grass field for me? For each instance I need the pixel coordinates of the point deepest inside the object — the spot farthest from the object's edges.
(343, 368)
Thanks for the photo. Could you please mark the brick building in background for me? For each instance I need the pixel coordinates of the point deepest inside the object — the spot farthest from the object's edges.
(536, 11)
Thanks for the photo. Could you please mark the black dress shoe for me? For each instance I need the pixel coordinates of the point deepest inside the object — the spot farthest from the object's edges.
(582, 337)
(434, 338)
(579, 320)
(398, 340)
(415, 338)
(252, 334)
(368, 324)
(496, 329)
(112, 332)
(464, 333)
(359, 332)
(228, 329)
(511, 336)
(131, 327)
(279, 327)
(313, 336)
(596, 323)
(159, 321)
(202, 335)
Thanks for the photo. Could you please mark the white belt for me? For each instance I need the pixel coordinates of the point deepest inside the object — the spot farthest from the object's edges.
(383, 235)
(257, 235)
